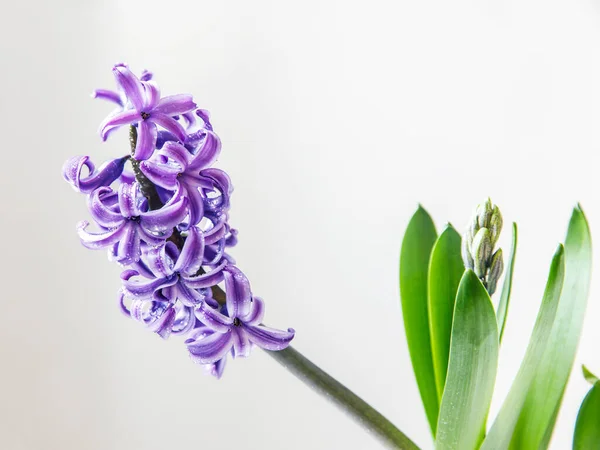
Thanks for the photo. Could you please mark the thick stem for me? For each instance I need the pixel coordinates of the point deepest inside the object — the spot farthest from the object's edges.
(343, 397)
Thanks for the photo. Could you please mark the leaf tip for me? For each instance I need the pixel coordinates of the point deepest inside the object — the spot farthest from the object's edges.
(588, 375)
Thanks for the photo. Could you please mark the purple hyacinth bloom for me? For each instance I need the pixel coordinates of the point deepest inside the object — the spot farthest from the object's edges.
(126, 221)
(240, 328)
(175, 168)
(145, 108)
(171, 275)
(104, 176)
(168, 223)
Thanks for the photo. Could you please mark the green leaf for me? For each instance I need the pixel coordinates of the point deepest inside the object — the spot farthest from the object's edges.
(538, 416)
(587, 427)
(418, 241)
(500, 434)
(445, 271)
(507, 286)
(589, 376)
(471, 370)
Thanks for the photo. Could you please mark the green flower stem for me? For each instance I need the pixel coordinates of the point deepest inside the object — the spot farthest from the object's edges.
(343, 397)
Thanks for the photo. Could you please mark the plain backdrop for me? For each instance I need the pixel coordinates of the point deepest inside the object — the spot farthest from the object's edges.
(337, 118)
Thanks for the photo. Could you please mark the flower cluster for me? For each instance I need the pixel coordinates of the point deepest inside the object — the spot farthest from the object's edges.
(167, 224)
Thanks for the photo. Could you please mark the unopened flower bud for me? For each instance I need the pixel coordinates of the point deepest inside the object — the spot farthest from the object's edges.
(481, 251)
(478, 245)
(484, 214)
(466, 251)
(495, 225)
(496, 269)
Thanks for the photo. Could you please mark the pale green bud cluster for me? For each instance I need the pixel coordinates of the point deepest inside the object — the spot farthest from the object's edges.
(478, 245)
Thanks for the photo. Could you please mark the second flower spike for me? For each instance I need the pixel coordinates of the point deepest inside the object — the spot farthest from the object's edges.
(478, 245)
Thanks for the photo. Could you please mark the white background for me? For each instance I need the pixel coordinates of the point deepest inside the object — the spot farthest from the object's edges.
(336, 118)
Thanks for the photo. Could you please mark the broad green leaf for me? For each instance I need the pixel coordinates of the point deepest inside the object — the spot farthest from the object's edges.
(587, 427)
(538, 415)
(418, 241)
(445, 271)
(507, 286)
(589, 376)
(500, 434)
(471, 369)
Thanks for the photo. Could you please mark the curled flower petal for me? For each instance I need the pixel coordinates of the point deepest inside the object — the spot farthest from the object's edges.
(163, 325)
(269, 338)
(116, 120)
(187, 295)
(175, 104)
(213, 319)
(208, 152)
(152, 239)
(104, 239)
(158, 262)
(128, 195)
(237, 288)
(104, 176)
(256, 313)
(102, 214)
(217, 368)
(161, 175)
(206, 280)
(215, 234)
(195, 205)
(205, 116)
(190, 258)
(190, 119)
(131, 86)
(121, 298)
(169, 124)
(221, 178)
(184, 320)
(146, 140)
(165, 218)
(151, 94)
(241, 343)
(108, 95)
(145, 288)
(177, 153)
(211, 348)
(129, 249)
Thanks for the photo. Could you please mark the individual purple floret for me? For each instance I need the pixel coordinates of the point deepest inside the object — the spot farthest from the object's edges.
(240, 327)
(146, 109)
(167, 222)
(175, 168)
(171, 275)
(126, 221)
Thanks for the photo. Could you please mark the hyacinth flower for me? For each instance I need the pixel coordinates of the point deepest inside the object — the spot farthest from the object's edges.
(239, 327)
(174, 168)
(146, 109)
(127, 222)
(166, 222)
(171, 275)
